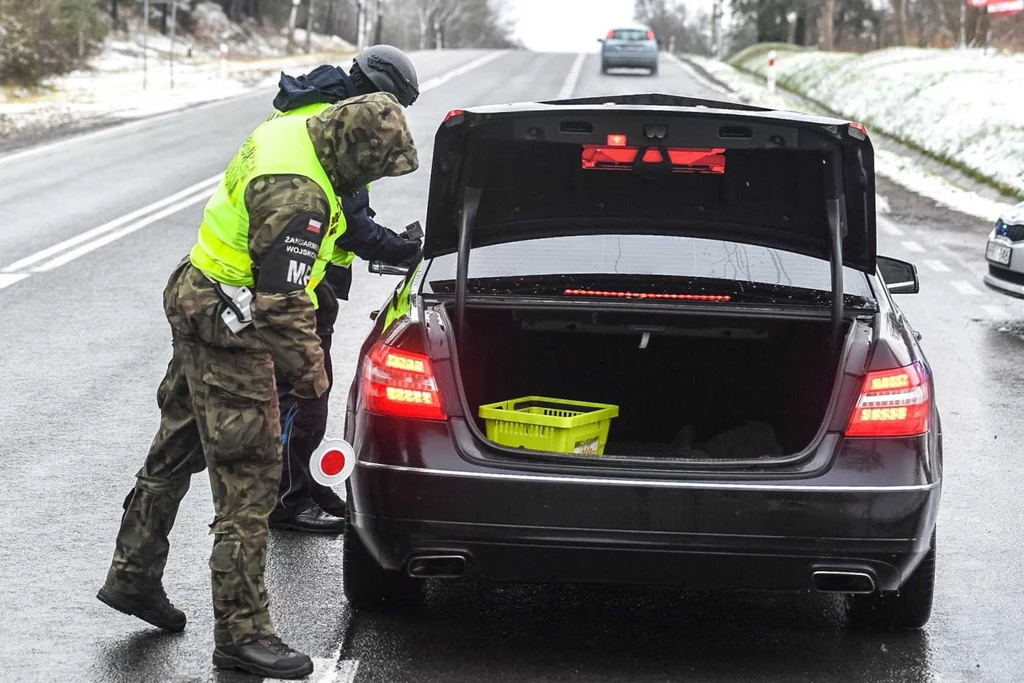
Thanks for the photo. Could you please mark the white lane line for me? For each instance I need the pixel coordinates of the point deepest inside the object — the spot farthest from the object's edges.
(121, 128)
(199, 187)
(937, 266)
(69, 256)
(995, 311)
(569, 87)
(437, 81)
(124, 225)
(910, 245)
(964, 287)
(8, 279)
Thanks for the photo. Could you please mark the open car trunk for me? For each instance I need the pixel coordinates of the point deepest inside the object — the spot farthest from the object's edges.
(692, 388)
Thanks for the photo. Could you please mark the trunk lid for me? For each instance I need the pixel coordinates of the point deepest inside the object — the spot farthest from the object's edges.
(654, 164)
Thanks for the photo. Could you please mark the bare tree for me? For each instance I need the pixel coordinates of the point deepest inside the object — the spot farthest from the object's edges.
(425, 10)
(827, 25)
(899, 8)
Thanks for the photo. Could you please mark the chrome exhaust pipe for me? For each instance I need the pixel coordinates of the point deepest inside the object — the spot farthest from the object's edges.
(839, 581)
(437, 566)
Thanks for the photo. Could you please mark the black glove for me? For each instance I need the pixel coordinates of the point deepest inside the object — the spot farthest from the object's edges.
(405, 254)
(310, 418)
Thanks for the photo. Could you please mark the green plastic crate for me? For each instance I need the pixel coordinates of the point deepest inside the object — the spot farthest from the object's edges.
(555, 425)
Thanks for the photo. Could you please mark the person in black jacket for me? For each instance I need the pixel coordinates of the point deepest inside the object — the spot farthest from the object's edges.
(304, 505)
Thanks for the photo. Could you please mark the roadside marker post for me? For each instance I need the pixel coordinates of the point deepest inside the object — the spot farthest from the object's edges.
(145, 44)
(771, 70)
(174, 25)
(223, 61)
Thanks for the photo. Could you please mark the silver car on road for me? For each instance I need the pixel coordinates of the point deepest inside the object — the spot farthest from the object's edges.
(633, 47)
(1005, 253)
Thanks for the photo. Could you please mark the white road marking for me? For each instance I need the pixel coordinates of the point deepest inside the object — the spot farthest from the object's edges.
(345, 673)
(995, 311)
(910, 245)
(90, 240)
(882, 204)
(8, 279)
(69, 256)
(328, 670)
(937, 266)
(964, 287)
(119, 129)
(200, 188)
(569, 87)
(890, 229)
(437, 81)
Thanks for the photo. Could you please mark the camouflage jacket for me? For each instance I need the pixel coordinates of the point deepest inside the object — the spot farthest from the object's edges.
(357, 141)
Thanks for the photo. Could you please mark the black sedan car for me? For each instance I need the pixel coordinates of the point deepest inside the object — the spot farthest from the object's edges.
(706, 272)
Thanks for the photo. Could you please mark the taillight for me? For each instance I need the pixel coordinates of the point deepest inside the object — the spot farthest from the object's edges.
(455, 117)
(892, 403)
(859, 131)
(611, 35)
(650, 35)
(401, 384)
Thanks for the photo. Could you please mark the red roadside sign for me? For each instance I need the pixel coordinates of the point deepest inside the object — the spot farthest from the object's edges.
(999, 8)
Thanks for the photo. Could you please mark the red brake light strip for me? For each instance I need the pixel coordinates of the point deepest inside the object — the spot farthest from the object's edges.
(647, 295)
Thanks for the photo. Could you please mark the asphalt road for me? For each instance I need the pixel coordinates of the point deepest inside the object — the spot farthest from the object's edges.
(83, 344)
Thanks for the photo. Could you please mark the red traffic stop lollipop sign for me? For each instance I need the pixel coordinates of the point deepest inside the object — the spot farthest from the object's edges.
(332, 463)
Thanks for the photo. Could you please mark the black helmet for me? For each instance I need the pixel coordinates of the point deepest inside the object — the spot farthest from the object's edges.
(388, 70)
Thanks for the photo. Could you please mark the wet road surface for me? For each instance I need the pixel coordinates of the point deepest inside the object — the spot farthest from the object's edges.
(83, 344)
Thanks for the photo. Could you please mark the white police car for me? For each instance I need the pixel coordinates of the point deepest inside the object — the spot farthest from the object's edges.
(1005, 253)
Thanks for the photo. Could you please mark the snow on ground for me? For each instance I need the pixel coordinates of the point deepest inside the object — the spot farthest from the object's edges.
(132, 76)
(962, 106)
(889, 162)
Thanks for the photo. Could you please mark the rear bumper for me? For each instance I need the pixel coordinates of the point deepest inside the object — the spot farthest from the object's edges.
(543, 531)
(559, 555)
(640, 60)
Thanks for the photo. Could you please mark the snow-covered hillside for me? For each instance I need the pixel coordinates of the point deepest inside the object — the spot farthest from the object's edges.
(963, 106)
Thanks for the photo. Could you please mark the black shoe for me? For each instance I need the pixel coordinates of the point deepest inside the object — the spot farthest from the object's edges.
(267, 657)
(331, 503)
(153, 608)
(311, 520)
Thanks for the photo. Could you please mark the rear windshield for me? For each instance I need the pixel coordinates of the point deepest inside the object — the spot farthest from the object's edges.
(653, 255)
(629, 34)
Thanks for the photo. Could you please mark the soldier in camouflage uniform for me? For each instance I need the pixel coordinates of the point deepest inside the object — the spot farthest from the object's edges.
(218, 402)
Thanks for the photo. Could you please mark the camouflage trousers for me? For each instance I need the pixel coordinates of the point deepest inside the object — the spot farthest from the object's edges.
(218, 411)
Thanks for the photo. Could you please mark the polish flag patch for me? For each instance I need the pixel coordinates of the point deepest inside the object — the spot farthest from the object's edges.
(314, 227)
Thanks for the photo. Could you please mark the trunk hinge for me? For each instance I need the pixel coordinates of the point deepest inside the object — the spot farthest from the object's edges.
(467, 223)
(835, 210)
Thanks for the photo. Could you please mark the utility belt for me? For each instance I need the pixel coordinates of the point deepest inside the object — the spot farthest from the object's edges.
(238, 300)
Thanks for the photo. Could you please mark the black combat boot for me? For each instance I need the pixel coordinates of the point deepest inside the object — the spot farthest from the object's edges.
(266, 656)
(153, 607)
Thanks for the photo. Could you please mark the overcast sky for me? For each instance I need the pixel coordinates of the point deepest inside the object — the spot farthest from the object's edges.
(574, 25)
